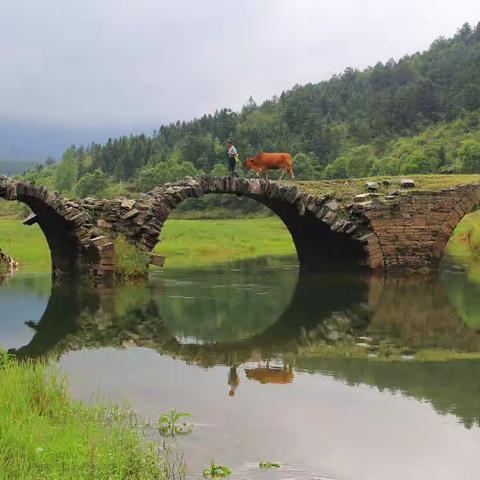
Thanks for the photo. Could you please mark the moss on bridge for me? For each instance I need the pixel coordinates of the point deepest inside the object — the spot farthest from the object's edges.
(346, 189)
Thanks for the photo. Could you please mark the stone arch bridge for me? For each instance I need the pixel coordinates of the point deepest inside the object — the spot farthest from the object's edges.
(407, 229)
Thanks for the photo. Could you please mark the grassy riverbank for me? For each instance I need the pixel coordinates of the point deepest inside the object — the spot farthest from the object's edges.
(45, 434)
(184, 242)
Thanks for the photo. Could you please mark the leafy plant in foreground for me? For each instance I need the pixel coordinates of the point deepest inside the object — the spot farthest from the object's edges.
(171, 424)
(216, 471)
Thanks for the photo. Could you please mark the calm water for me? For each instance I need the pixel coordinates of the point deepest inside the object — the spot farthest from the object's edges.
(235, 346)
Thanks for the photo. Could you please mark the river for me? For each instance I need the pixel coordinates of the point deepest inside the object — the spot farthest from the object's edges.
(339, 376)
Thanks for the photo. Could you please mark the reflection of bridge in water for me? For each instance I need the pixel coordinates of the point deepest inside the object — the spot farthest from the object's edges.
(79, 317)
(414, 313)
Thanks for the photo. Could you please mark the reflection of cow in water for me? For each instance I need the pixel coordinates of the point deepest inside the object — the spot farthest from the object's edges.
(268, 374)
(263, 162)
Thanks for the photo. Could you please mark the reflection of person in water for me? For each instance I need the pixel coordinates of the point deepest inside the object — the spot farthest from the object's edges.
(233, 380)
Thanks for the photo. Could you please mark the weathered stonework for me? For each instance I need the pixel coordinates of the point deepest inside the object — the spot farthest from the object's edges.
(400, 230)
(68, 228)
(7, 263)
(412, 229)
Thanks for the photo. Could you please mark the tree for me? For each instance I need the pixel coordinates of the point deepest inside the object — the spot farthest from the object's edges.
(151, 176)
(305, 168)
(219, 170)
(469, 156)
(66, 171)
(91, 184)
(419, 162)
(359, 161)
(336, 169)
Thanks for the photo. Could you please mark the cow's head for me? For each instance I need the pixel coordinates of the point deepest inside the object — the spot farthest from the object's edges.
(249, 162)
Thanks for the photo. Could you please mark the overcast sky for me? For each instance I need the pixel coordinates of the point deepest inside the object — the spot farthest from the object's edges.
(128, 64)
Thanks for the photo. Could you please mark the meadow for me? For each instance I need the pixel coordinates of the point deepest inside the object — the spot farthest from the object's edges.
(185, 243)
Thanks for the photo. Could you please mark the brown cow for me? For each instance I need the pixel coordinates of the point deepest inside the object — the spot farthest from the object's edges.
(270, 161)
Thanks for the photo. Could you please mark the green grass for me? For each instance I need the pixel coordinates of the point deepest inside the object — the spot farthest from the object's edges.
(390, 353)
(465, 241)
(26, 245)
(187, 243)
(131, 261)
(346, 189)
(44, 434)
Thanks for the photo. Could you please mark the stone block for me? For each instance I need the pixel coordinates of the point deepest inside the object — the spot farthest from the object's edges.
(362, 197)
(158, 260)
(128, 204)
(101, 223)
(407, 183)
(371, 186)
(130, 214)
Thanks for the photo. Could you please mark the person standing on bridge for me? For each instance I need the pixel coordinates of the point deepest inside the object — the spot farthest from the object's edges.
(232, 157)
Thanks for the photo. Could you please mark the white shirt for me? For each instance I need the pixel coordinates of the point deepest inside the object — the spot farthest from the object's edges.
(232, 151)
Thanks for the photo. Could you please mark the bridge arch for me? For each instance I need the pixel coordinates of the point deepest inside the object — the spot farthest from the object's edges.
(64, 224)
(457, 203)
(323, 236)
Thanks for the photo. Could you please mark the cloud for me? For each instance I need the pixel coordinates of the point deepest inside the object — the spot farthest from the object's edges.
(124, 64)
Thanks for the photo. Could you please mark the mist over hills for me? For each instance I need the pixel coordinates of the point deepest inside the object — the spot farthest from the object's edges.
(23, 144)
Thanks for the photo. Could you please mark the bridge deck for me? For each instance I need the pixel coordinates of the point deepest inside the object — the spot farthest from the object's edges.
(346, 189)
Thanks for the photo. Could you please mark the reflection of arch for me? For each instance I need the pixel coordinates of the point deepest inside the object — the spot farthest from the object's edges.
(81, 316)
(331, 308)
(416, 311)
(451, 387)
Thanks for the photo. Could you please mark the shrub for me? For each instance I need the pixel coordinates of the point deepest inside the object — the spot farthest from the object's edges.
(132, 262)
(91, 184)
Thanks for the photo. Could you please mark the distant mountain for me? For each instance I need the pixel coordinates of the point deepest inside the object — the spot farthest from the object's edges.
(8, 167)
(33, 143)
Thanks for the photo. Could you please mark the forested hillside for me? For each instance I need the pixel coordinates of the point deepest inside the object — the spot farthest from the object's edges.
(420, 114)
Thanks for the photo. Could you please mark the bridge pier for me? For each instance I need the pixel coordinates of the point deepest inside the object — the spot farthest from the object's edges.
(413, 228)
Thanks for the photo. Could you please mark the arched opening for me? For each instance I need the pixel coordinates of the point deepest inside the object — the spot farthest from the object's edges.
(56, 250)
(319, 245)
(463, 246)
(223, 228)
(460, 269)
